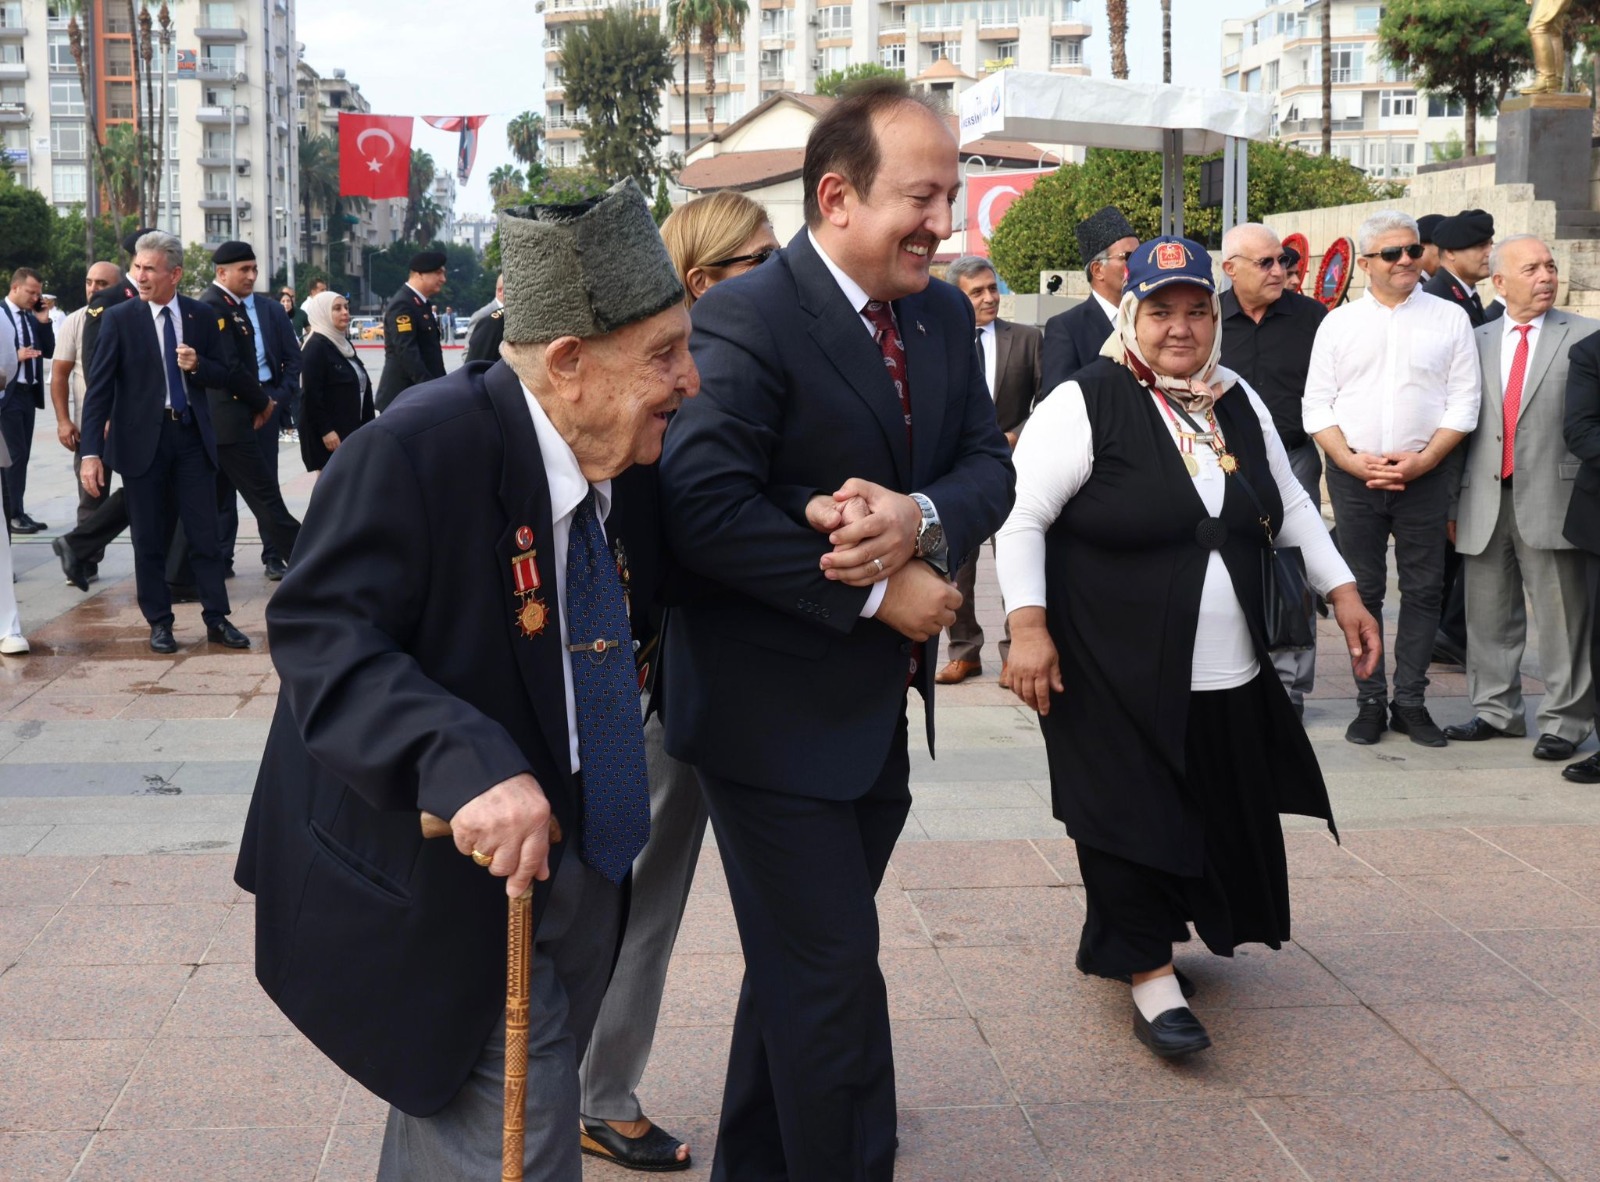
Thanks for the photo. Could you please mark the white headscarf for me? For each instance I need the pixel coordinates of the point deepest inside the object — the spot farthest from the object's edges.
(1194, 393)
(319, 314)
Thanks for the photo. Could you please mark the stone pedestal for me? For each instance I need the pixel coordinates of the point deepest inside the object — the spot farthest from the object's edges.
(1544, 141)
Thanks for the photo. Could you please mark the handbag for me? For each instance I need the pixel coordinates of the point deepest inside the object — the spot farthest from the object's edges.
(1286, 598)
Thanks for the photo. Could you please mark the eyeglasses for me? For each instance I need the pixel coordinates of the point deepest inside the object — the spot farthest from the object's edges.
(1391, 254)
(1115, 258)
(755, 260)
(1266, 264)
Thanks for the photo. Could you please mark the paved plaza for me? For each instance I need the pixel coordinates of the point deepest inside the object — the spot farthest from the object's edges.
(1436, 1017)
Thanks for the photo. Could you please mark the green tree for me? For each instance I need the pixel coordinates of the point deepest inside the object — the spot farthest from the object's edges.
(719, 19)
(27, 226)
(683, 26)
(1036, 233)
(319, 181)
(525, 137)
(1472, 50)
(663, 204)
(420, 185)
(616, 65)
(198, 269)
(836, 82)
(505, 181)
(121, 175)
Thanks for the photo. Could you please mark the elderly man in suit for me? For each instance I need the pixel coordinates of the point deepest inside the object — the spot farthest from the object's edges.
(1073, 339)
(836, 365)
(1506, 519)
(154, 360)
(1011, 370)
(489, 491)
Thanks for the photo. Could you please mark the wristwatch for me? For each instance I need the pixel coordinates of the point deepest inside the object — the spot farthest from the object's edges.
(931, 546)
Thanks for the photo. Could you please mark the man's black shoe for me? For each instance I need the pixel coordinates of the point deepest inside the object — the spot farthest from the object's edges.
(91, 572)
(1416, 722)
(161, 639)
(25, 525)
(1447, 651)
(1553, 747)
(70, 566)
(1476, 731)
(1174, 1032)
(227, 571)
(183, 592)
(275, 569)
(226, 634)
(1585, 771)
(1372, 719)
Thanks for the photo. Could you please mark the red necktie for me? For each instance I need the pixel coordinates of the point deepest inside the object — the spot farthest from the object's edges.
(893, 348)
(1513, 399)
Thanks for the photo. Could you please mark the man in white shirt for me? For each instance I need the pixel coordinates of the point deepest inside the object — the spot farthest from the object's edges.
(1392, 390)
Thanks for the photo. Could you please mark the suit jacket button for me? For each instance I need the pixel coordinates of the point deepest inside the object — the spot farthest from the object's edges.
(905, 646)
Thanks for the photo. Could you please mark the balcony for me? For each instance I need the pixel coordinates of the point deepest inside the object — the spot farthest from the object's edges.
(240, 115)
(13, 112)
(224, 159)
(560, 123)
(1304, 126)
(13, 71)
(221, 202)
(12, 29)
(220, 29)
(892, 27)
(226, 71)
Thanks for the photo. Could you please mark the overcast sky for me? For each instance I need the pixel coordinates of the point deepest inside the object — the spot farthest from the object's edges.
(485, 57)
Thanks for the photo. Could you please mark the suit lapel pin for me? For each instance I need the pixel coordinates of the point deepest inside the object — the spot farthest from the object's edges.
(920, 329)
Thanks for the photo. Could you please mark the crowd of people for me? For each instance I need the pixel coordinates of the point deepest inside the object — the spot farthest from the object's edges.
(676, 544)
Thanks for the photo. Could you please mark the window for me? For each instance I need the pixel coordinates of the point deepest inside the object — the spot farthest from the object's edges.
(119, 59)
(892, 57)
(999, 14)
(945, 50)
(1229, 81)
(1269, 76)
(217, 143)
(1397, 104)
(66, 139)
(56, 14)
(833, 21)
(1346, 63)
(119, 99)
(219, 58)
(11, 14)
(1006, 49)
(59, 52)
(836, 57)
(1445, 108)
(69, 183)
(14, 95)
(66, 97)
(218, 15)
(1252, 81)
(11, 53)
(774, 63)
(1068, 51)
(15, 139)
(1367, 18)
(775, 22)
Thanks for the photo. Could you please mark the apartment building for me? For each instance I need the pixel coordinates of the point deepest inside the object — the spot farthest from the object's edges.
(786, 45)
(229, 74)
(1380, 122)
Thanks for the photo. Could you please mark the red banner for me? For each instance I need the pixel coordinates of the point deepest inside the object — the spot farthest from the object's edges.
(374, 155)
(988, 197)
(467, 149)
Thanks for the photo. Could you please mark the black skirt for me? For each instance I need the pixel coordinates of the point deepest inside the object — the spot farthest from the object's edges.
(1136, 912)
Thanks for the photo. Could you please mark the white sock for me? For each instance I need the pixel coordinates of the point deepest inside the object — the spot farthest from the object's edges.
(1158, 995)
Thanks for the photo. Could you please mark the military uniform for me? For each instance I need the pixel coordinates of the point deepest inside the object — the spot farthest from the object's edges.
(484, 343)
(411, 347)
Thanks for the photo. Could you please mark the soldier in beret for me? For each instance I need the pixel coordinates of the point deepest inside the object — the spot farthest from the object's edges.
(1464, 242)
(484, 343)
(1426, 224)
(490, 491)
(412, 352)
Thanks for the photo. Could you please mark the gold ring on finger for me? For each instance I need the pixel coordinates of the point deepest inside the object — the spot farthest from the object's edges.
(481, 858)
(878, 562)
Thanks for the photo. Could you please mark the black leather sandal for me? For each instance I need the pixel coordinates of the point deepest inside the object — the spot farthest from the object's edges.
(655, 1152)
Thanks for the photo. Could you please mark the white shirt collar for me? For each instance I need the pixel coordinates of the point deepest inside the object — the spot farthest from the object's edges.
(13, 305)
(1106, 306)
(988, 329)
(562, 473)
(1537, 323)
(1405, 303)
(416, 293)
(853, 291)
(155, 308)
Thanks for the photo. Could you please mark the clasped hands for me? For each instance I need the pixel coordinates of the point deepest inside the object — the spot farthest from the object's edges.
(873, 531)
(1390, 472)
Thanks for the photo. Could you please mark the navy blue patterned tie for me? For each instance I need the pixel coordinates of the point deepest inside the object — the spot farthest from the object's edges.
(616, 791)
(169, 350)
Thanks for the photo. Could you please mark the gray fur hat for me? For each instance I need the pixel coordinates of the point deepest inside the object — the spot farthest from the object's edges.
(584, 270)
(1100, 231)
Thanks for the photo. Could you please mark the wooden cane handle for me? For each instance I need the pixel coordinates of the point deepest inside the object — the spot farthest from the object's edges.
(433, 826)
(518, 951)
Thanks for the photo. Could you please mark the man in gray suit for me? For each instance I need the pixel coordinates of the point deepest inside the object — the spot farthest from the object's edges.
(1507, 516)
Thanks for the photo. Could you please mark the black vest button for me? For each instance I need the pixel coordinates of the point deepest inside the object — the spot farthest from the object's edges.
(1211, 533)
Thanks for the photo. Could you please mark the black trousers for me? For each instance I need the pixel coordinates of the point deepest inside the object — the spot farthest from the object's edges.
(16, 426)
(89, 504)
(181, 475)
(810, 1088)
(243, 470)
(1592, 570)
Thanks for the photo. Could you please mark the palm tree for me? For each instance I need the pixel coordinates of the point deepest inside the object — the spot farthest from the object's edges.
(1117, 31)
(1166, 40)
(422, 170)
(525, 135)
(75, 42)
(504, 181)
(683, 25)
(120, 171)
(430, 217)
(319, 179)
(718, 19)
(1327, 77)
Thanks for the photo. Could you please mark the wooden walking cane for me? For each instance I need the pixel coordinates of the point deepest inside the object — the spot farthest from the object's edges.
(519, 952)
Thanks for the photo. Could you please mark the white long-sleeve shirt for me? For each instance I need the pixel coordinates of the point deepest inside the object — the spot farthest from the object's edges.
(1055, 457)
(1390, 377)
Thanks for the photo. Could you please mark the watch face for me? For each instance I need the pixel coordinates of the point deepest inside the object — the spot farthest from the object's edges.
(931, 539)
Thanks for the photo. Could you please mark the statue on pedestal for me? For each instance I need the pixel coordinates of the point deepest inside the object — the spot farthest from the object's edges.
(1549, 46)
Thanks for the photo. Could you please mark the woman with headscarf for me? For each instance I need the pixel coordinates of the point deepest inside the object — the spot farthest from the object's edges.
(1132, 566)
(335, 393)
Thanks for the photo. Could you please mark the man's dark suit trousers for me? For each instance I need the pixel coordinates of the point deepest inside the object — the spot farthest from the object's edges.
(181, 472)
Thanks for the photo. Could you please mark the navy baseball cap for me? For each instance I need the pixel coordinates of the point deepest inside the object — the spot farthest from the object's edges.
(1167, 260)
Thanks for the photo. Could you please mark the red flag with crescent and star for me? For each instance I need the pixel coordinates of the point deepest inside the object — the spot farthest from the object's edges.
(374, 155)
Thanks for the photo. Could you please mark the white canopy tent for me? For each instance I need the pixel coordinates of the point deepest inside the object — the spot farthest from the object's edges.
(1176, 121)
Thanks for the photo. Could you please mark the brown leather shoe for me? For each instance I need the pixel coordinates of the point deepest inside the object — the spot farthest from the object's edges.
(958, 671)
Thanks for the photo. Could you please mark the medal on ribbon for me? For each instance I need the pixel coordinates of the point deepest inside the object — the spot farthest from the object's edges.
(532, 614)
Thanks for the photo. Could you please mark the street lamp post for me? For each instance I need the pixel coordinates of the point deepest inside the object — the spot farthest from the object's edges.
(233, 157)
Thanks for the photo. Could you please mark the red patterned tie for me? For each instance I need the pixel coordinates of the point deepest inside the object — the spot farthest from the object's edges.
(887, 334)
(1513, 399)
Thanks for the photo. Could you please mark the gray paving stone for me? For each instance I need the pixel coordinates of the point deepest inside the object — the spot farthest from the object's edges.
(975, 794)
(85, 779)
(100, 840)
(962, 824)
(964, 764)
(217, 776)
(189, 808)
(20, 839)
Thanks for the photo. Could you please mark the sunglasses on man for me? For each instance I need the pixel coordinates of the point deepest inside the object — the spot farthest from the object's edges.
(1391, 254)
(756, 259)
(1266, 264)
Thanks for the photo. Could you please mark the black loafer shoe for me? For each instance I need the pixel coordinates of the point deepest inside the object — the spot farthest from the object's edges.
(1173, 1033)
(1476, 731)
(1372, 719)
(25, 525)
(1586, 771)
(226, 634)
(161, 639)
(70, 566)
(1416, 723)
(1447, 651)
(275, 570)
(1553, 747)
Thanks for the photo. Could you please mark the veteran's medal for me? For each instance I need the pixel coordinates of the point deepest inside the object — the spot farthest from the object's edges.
(1190, 464)
(532, 614)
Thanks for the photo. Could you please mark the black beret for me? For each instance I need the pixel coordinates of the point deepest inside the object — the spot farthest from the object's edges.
(1293, 256)
(1426, 225)
(1470, 227)
(130, 243)
(233, 252)
(1102, 230)
(425, 261)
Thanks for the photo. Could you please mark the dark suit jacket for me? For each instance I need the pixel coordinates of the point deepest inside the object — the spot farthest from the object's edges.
(283, 345)
(412, 352)
(1581, 428)
(1016, 373)
(407, 684)
(127, 385)
(772, 679)
(1072, 340)
(1447, 287)
(331, 398)
(235, 403)
(44, 339)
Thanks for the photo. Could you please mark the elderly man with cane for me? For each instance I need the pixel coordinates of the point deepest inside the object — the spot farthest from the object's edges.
(454, 647)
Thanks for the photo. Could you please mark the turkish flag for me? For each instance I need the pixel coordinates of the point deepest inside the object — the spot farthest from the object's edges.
(374, 155)
(988, 197)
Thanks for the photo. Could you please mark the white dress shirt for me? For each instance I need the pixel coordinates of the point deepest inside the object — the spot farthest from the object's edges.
(15, 314)
(1054, 461)
(161, 335)
(1390, 377)
(1106, 306)
(1508, 347)
(986, 342)
(567, 487)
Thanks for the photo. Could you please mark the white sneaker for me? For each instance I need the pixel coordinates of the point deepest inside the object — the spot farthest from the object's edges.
(14, 646)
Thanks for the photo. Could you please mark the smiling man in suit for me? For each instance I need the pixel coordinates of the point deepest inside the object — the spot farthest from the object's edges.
(453, 637)
(1507, 517)
(1010, 354)
(842, 394)
(1073, 339)
(153, 361)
